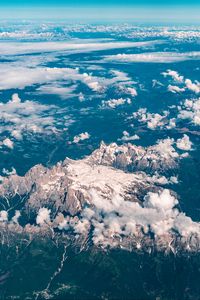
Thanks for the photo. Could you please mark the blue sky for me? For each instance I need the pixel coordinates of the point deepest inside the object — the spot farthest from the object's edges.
(96, 2)
(135, 10)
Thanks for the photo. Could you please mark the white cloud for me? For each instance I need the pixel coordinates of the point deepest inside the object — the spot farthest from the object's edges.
(194, 87)
(121, 218)
(54, 80)
(175, 89)
(154, 57)
(3, 216)
(190, 109)
(20, 77)
(43, 216)
(165, 148)
(18, 117)
(125, 87)
(154, 120)
(81, 97)
(174, 74)
(162, 201)
(162, 180)
(184, 143)
(131, 91)
(175, 33)
(82, 226)
(8, 173)
(56, 89)
(81, 137)
(23, 34)
(69, 47)
(113, 103)
(156, 82)
(7, 143)
(127, 137)
(185, 226)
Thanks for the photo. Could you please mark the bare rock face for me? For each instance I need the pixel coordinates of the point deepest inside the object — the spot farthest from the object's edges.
(128, 157)
(67, 186)
(98, 198)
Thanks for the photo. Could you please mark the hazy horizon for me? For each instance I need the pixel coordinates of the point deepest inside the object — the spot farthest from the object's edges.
(165, 13)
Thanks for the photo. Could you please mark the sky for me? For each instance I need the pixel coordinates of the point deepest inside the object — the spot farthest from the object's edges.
(96, 2)
(113, 10)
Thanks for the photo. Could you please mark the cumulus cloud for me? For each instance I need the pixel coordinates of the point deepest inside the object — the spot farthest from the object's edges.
(188, 84)
(154, 120)
(162, 180)
(174, 74)
(175, 33)
(3, 216)
(81, 137)
(185, 226)
(194, 87)
(175, 89)
(165, 148)
(108, 219)
(127, 137)
(131, 91)
(113, 103)
(184, 143)
(18, 117)
(190, 110)
(43, 216)
(7, 143)
(126, 89)
(162, 201)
